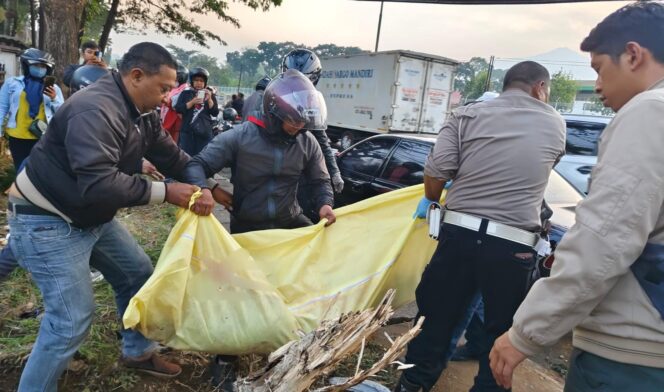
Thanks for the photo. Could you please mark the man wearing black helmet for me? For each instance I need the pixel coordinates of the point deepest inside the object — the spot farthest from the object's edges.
(197, 105)
(268, 158)
(253, 105)
(308, 63)
(170, 119)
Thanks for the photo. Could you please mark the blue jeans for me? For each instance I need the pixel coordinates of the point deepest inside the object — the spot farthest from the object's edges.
(7, 262)
(589, 372)
(58, 257)
(473, 324)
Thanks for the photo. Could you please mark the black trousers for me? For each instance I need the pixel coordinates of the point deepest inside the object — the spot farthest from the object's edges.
(20, 149)
(466, 261)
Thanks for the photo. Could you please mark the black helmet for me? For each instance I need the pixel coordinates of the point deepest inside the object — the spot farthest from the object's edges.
(292, 98)
(183, 73)
(304, 61)
(85, 76)
(199, 71)
(262, 84)
(33, 56)
(229, 114)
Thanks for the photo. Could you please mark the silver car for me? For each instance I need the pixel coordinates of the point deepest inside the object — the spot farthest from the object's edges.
(583, 134)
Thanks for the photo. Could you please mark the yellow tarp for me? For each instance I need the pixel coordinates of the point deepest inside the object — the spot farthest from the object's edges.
(252, 292)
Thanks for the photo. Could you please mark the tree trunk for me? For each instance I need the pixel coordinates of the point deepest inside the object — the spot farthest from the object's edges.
(42, 25)
(62, 19)
(33, 23)
(110, 20)
(81, 27)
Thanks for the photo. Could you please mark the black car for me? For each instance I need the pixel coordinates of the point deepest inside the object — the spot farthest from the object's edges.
(381, 164)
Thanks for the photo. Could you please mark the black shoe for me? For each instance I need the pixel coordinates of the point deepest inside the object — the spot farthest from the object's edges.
(223, 373)
(406, 386)
(463, 353)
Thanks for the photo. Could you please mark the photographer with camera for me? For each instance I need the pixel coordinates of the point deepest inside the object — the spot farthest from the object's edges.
(90, 55)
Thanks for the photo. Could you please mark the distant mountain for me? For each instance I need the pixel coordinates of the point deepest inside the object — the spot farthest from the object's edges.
(565, 58)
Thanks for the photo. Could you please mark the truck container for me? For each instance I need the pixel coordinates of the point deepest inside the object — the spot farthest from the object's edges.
(382, 92)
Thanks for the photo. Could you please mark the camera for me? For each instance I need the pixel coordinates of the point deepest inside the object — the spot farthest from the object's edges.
(49, 81)
(98, 54)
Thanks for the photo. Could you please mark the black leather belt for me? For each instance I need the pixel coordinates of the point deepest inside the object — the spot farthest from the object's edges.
(28, 209)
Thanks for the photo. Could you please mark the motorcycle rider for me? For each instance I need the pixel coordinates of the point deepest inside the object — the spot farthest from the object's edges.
(269, 156)
(253, 105)
(309, 64)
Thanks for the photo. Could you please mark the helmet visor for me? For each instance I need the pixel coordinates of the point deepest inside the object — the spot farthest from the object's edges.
(302, 109)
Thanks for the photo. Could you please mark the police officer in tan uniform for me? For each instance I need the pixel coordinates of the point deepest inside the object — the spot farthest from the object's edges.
(499, 154)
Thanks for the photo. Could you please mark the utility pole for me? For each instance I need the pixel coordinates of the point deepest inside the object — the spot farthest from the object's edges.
(487, 85)
(380, 21)
(239, 82)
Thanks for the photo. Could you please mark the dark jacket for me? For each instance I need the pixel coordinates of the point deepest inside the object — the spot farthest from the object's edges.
(69, 72)
(85, 162)
(188, 114)
(253, 106)
(266, 170)
(328, 153)
(238, 105)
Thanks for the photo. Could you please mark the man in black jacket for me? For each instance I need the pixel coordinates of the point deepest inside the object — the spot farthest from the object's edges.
(62, 208)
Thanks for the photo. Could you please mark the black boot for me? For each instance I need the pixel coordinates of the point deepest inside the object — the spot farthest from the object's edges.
(223, 372)
(406, 386)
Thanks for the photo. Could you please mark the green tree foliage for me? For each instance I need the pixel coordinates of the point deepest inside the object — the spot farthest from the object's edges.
(563, 90)
(248, 61)
(267, 57)
(182, 55)
(169, 17)
(470, 78)
(468, 71)
(177, 17)
(96, 13)
(219, 75)
(475, 86)
(251, 64)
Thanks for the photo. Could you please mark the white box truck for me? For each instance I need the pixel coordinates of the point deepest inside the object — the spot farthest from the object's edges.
(392, 91)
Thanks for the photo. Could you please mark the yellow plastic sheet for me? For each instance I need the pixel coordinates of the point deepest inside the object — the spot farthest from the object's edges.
(252, 292)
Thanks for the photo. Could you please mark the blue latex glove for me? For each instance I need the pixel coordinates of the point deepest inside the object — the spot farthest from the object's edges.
(422, 208)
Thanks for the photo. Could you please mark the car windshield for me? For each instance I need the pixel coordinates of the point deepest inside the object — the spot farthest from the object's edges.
(559, 191)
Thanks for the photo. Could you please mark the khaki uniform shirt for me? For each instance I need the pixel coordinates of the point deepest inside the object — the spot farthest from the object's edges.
(499, 154)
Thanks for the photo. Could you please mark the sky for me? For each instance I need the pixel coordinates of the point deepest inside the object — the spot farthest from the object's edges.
(455, 31)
